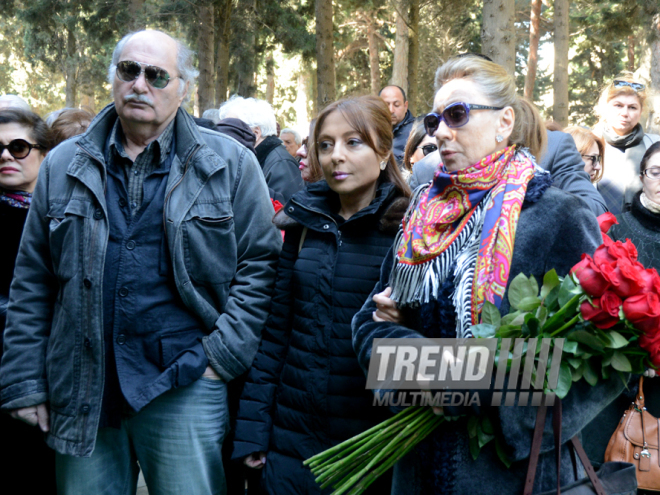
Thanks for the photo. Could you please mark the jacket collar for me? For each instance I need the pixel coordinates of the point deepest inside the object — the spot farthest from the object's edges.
(313, 206)
(265, 147)
(188, 139)
(407, 119)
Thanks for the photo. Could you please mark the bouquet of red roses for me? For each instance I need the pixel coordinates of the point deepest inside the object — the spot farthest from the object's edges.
(607, 313)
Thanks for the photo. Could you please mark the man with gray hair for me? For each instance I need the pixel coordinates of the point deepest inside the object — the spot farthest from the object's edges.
(279, 167)
(291, 140)
(142, 283)
(13, 101)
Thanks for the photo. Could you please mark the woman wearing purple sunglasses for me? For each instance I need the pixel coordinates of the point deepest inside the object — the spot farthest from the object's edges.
(489, 214)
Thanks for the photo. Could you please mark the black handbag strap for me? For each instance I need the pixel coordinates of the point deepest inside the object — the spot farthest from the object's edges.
(574, 444)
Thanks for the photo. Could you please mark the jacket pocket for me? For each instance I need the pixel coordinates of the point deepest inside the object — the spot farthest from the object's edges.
(209, 243)
(63, 362)
(67, 224)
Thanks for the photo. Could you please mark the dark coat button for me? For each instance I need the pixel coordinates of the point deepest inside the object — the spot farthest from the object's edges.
(98, 214)
(123, 292)
(87, 283)
(88, 343)
(130, 245)
(85, 409)
(121, 339)
(122, 202)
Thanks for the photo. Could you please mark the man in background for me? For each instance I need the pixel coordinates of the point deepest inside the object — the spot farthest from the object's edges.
(402, 119)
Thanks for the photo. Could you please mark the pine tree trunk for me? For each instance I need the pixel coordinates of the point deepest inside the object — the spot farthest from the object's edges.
(401, 46)
(653, 125)
(532, 61)
(325, 54)
(205, 54)
(413, 55)
(498, 33)
(631, 53)
(374, 63)
(247, 59)
(70, 70)
(270, 78)
(560, 77)
(136, 15)
(223, 24)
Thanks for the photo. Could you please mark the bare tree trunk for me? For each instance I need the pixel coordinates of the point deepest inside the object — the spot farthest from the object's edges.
(70, 70)
(87, 99)
(374, 63)
(270, 78)
(560, 77)
(247, 60)
(401, 46)
(223, 23)
(136, 15)
(631, 53)
(498, 33)
(653, 125)
(205, 54)
(325, 54)
(413, 55)
(532, 61)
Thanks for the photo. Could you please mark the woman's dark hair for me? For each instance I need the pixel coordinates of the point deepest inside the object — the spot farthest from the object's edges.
(315, 172)
(70, 122)
(371, 118)
(39, 131)
(652, 150)
(414, 138)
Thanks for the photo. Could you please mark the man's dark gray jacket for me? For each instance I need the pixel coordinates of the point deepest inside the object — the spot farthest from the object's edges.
(223, 248)
(561, 159)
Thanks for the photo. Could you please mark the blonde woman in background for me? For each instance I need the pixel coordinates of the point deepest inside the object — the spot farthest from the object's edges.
(620, 109)
(592, 150)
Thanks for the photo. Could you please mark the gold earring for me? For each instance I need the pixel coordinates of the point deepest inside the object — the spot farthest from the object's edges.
(383, 165)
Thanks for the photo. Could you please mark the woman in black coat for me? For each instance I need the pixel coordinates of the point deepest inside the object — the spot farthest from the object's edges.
(306, 391)
(24, 139)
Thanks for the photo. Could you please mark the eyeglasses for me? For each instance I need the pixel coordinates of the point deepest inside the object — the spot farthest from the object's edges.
(128, 70)
(595, 159)
(636, 86)
(652, 173)
(455, 115)
(428, 148)
(19, 148)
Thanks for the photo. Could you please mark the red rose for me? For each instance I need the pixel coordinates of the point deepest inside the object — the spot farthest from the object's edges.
(651, 329)
(632, 250)
(625, 277)
(619, 250)
(604, 313)
(651, 344)
(605, 221)
(641, 307)
(590, 277)
(276, 205)
(602, 255)
(651, 280)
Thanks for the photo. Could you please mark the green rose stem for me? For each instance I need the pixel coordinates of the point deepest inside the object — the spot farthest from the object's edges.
(321, 457)
(414, 432)
(572, 322)
(559, 315)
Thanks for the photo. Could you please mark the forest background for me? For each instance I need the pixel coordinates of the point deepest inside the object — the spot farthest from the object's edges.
(302, 54)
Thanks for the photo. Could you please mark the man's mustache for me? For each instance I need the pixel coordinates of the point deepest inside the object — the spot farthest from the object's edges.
(140, 98)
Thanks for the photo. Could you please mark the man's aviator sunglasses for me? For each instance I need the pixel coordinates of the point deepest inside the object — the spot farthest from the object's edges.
(128, 70)
(19, 148)
(455, 115)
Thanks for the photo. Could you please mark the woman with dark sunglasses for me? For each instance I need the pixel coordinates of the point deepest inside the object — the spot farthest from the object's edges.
(419, 145)
(620, 108)
(24, 142)
(488, 215)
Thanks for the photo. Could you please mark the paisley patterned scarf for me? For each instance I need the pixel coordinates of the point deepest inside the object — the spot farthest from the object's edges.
(465, 222)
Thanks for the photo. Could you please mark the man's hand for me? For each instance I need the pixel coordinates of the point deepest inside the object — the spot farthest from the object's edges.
(387, 310)
(256, 460)
(33, 415)
(211, 374)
